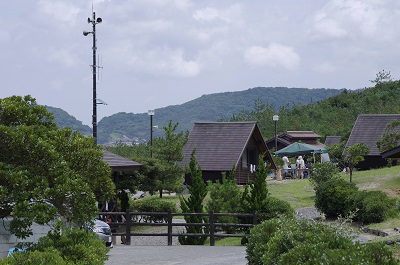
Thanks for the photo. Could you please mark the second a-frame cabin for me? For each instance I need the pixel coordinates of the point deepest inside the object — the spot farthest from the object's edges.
(221, 146)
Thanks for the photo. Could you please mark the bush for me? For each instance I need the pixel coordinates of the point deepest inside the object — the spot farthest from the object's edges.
(153, 205)
(275, 208)
(75, 246)
(50, 257)
(72, 246)
(334, 197)
(289, 241)
(373, 206)
(224, 198)
(322, 172)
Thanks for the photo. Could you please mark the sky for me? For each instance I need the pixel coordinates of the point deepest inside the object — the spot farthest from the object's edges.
(157, 53)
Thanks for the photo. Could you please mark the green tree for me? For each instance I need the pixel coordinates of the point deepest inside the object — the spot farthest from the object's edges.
(194, 204)
(224, 198)
(255, 195)
(47, 172)
(355, 154)
(390, 139)
(168, 151)
(336, 154)
(382, 77)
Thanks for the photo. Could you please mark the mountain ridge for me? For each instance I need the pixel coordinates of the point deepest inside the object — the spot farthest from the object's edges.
(123, 126)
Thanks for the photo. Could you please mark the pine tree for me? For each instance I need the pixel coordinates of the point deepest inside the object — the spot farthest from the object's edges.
(194, 204)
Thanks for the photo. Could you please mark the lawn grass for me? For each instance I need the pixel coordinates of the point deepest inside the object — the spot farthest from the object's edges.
(227, 241)
(298, 193)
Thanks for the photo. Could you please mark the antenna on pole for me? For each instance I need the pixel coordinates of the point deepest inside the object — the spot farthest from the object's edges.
(99, 59)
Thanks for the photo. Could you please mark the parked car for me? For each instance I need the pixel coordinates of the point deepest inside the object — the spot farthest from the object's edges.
(103, 230)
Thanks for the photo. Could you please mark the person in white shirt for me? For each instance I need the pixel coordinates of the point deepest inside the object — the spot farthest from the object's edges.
(286, 162)
(300, 167)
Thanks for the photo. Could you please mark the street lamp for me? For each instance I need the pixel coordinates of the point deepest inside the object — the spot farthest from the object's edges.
(94, 21)
(275, 118)
(151, 114)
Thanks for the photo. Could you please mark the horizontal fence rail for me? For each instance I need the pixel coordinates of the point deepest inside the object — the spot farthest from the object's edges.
(129, 220)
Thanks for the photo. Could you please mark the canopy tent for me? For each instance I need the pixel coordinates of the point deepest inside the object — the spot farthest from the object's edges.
(296, 149)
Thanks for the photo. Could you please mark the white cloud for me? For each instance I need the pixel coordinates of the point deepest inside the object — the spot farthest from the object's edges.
(62, 56)
(231, 14)
(206, 14)
(328, 27)
(275, 55)
(340, 18)
(160, 62)
(324, 67)
(4, 35)
(63, 11)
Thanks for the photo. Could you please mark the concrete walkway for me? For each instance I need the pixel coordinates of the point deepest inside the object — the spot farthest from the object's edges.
(174, 255)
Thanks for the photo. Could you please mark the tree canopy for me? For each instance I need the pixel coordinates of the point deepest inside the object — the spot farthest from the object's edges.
(46, 172)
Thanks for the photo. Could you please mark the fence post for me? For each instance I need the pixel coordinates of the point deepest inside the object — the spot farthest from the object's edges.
(212, 228)
(169, 220)
(128, 228)
(254, 217)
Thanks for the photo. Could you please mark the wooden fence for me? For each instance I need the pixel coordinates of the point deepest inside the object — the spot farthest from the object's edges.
(128, 220)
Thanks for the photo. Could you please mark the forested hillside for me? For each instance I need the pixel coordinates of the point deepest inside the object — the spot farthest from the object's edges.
(213, 107)
(333, 116)
(63, 119)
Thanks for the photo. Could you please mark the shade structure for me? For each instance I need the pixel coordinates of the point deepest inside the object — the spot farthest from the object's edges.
(296, 149)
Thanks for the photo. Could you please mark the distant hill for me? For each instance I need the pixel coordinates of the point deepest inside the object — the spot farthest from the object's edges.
(127, 127)
(213, 107)
(63, 119)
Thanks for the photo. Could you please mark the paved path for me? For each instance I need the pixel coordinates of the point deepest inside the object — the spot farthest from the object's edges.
(175, 255)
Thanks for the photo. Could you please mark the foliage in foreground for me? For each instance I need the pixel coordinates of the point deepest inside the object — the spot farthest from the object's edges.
(47, 172)
(73, 246)
(284, 241)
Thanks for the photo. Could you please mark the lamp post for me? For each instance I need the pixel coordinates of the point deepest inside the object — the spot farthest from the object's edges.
(275, 118)
(94, 21)
(151, 114)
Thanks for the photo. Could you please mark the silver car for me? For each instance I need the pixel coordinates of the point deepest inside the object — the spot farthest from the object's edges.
(103, 230)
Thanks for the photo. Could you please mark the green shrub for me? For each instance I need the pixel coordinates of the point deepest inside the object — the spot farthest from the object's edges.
(373, 206)
(224, 198)
(275, 208)
(290, 241)
(334, 197)
(75, 246)
(322, 172)
(50, 257)
(72, 246)
(154, 205)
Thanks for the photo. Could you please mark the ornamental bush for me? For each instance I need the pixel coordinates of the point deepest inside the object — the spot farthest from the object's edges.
(153, 205)
(322, 172)
(285, 240)
(334, 197)
(72, 246)
(372, 206)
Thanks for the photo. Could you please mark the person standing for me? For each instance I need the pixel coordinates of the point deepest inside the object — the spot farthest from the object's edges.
(300, 167)
(285, 165)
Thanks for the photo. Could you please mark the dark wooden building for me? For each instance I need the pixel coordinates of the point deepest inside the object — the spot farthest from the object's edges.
(221, 146)
(368, 129)
(289, 137)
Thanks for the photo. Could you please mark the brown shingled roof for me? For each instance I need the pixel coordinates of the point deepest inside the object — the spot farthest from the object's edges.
(219, 145)
(369, 128)
(119, 163)
(302, 134)
(331, 140)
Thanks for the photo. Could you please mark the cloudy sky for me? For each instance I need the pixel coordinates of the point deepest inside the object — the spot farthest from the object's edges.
(156, 53)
